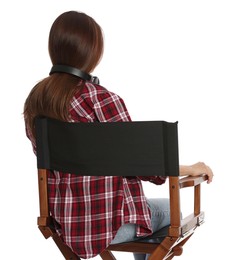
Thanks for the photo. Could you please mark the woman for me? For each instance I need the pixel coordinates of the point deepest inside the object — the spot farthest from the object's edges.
(91, 212)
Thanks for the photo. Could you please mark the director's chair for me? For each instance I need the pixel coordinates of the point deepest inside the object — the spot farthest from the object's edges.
(145, 148)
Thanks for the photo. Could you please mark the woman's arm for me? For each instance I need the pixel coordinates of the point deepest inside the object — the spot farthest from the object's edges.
(197, 169)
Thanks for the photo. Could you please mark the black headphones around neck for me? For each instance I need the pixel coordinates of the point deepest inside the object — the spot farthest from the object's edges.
(74, 71)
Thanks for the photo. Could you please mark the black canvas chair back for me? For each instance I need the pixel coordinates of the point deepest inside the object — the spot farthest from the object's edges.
(118, 149)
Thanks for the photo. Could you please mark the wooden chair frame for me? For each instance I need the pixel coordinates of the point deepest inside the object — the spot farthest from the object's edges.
(159, 137)
(180, 230)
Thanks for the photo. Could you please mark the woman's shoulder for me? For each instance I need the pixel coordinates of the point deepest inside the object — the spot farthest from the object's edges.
(90, 89)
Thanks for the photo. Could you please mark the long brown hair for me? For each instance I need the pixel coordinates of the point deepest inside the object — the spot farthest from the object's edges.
(75, 40)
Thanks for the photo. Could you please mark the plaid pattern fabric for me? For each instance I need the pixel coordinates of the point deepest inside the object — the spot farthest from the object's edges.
(90, 209)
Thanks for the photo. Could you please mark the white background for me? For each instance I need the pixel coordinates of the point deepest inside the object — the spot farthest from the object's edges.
(169, 60)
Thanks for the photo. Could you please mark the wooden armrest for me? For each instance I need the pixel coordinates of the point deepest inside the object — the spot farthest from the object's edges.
(191, 181)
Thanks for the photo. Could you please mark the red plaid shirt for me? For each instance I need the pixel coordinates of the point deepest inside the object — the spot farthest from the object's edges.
(90, 209)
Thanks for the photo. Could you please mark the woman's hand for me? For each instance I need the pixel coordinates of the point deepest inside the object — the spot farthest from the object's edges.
(196, 170)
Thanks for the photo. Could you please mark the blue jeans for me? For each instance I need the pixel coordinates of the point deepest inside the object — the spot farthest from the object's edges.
(160, 217)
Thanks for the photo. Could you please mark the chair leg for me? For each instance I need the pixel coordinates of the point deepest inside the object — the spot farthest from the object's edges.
(170, 257)
(65, 250)
(162, 251)
(107, 255)
(169, 248)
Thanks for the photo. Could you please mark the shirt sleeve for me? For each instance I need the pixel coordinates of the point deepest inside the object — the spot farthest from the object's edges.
(158, 180)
